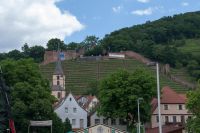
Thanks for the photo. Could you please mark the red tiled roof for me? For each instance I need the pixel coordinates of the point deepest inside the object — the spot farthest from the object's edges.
(172, 97)
(172, 128)
(169, 96)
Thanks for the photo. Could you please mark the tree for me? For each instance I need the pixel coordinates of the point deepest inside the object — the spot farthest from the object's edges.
(119, 92)
(67, 125)
(31, 98)
(54, 43)
(35, 52)
(90, 42)
(193, 105)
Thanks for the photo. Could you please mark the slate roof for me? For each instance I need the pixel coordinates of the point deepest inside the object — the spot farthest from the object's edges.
(57, 88)
(58, 70)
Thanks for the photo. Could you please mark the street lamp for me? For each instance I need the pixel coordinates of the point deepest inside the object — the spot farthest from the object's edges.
(138, 103)
(158, 93)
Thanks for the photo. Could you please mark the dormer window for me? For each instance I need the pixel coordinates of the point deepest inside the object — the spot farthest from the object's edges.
(70, 99)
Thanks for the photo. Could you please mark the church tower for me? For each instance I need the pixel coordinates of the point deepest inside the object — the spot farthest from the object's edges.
(58, 80)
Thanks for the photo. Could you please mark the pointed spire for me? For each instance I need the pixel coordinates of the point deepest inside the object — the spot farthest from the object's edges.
(58, 70)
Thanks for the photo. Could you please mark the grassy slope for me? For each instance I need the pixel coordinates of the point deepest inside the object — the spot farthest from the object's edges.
(191, 46)
(80, 73)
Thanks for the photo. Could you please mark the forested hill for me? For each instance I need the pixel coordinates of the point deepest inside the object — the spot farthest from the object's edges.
(165, 40)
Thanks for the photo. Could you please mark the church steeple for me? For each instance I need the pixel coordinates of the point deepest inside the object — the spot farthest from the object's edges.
(58, 70)
(58, 79)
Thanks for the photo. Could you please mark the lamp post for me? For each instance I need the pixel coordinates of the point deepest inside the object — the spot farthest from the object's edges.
(138, 103)
(158, 93)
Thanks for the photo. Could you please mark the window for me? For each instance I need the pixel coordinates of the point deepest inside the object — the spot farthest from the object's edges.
(157, 119)
(166, 119)
(97, 121)
(73, 121)
(70, 99)
(182, 119)
(59, 95)
(66, 110)
(58, 77)
(113, 122)
(74, 110)
(174, 119)
(58, 82)
(180, 107)
(81, 123)
(165, 107)
(105, 121)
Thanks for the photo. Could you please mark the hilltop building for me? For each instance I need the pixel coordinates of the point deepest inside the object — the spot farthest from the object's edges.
(58, 80)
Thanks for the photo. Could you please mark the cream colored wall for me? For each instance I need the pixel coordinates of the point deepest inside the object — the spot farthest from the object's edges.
(61, 80)
(173, 110)
(105, 129)
(55, 93)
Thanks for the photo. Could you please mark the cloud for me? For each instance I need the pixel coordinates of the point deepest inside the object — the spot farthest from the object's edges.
(143, 1)
(143, 12)
(34, 22)
(117, 9)
(185, 4)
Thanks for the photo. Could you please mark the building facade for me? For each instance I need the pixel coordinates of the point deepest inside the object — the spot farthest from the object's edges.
(173, 108)
(116, 123)
(69, 108)
(100, 128)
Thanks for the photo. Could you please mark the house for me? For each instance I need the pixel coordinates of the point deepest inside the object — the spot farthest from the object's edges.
(173, 108)
(58, 81)
(69, 108)
(87, 102)
(100, 128)
(94, 119)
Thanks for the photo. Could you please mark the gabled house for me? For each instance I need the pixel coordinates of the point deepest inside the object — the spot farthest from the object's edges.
(100, 128)
(69, 108)
(95, 119)
(58, 80)
(173, 108)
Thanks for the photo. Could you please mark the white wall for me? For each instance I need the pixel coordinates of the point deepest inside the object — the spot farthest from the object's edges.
(80, 114)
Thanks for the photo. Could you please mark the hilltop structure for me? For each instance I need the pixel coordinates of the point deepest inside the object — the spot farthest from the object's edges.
(58, 80)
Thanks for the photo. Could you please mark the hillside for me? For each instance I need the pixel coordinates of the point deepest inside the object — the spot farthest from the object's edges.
(79, 74)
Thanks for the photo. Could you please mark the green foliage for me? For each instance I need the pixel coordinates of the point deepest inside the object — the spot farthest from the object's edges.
(90, 42)
(30, 97)
(67, 125)
(54, 43)
(73, 46)
(119, 93)
(35, 52)
(193, 106)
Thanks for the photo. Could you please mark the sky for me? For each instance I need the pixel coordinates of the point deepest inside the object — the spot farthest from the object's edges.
(37, 21)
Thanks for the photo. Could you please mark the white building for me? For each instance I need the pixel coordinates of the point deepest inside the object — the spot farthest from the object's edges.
(69, 108)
